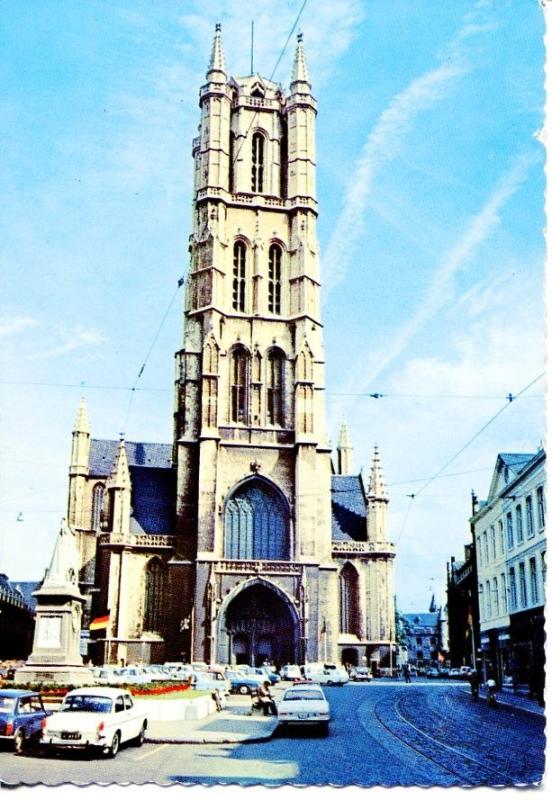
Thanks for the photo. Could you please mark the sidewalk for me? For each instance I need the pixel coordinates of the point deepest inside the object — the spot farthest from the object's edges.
(508, 698)
(233, 725)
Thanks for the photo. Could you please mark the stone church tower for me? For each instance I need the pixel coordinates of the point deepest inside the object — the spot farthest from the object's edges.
(238, 544)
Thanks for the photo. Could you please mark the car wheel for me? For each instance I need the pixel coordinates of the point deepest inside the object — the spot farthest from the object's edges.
(19, 741)
(330, 683)
(113, 748)
(243, 689)
(139, 741)
(324, 729)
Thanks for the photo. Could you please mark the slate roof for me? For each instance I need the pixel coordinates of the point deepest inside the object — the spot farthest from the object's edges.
(17, 592)
(422, 620)
(139, 454)
(26, 588)
(516, 461)
(153, 500)
(348, 509)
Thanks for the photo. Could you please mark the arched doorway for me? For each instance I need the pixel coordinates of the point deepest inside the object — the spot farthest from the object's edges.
(258, 625)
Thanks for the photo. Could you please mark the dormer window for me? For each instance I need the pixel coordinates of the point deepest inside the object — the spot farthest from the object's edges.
(257, 162)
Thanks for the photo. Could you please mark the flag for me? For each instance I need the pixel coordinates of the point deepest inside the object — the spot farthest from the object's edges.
(100, 623)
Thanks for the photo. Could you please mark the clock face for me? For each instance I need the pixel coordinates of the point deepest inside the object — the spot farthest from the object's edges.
(49, 632)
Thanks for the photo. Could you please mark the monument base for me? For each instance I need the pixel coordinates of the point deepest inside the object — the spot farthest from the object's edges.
(55, 673)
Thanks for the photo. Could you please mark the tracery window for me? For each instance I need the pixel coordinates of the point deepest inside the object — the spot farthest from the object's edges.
(275, 279)
(257, 162)
(256, 523)
(156, 595)
(238, 283)
(275, 387)
(238, 384)
(348, 597)
(97, 501)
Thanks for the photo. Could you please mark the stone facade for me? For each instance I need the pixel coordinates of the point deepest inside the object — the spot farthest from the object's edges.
(239, 542)
(510, 538)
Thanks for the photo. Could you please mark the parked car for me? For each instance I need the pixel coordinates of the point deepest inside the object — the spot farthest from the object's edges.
(211, 681)
(136, 675)
(100, 718)
(304, 704)
(290, 672)
(21, 715)
(433, 672)
(455, 673)
(329, 674)
(360, 674)
(263, 673)
(241, 683)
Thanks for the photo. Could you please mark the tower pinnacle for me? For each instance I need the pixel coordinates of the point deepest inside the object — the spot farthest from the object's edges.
(344, 451)
(376, 487)
(300, 73)
(82, 425)
(216, 62)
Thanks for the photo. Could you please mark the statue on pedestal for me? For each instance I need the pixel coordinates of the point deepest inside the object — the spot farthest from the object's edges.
(56, 654)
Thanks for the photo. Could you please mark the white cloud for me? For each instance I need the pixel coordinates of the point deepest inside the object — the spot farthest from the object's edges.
(385, 143)
(81, 336)
(16, 324)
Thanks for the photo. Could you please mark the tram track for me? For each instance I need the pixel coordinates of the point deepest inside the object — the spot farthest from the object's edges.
(465, 769)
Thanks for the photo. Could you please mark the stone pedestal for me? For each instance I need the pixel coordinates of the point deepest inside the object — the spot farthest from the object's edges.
(56, 654)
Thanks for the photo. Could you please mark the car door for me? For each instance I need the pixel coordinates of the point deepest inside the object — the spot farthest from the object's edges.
(134, 720)
(38, 712)
(120, 717)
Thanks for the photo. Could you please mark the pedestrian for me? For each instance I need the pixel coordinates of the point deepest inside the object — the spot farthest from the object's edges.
(406, 673)
(474, 683)
(265, 698)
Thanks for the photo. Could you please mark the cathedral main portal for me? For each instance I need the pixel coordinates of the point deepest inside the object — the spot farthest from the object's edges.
(259, 626)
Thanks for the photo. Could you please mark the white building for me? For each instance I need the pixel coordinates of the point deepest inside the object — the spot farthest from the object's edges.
(509, 530)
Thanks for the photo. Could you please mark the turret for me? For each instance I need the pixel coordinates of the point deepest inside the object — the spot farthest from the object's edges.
(119, 491)
(344, 451)
(301, 113)
(212, 149)
(377, 502)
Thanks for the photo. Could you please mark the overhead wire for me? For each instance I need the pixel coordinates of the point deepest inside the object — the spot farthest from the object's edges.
(430, 480)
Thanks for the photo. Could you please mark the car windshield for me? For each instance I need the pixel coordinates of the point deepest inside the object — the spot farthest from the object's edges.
(7, 704)
(86, 702)
(304, 694)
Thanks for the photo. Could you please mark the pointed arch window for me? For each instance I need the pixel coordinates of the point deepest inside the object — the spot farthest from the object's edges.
(275, 387)
(256, 523)
(275, 279)
(238, 384)
(257, 162)
(97, 502)
(238, 285)
(156, 595)
(348, 596)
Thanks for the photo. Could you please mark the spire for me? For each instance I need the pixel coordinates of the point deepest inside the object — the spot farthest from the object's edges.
(344, 451)
(300, 73)
(216, 62)
(120, 477)
(376, 487)
(433, 604)
(82, 425)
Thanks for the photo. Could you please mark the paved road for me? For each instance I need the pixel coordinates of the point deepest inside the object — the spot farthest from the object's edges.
(381, 734)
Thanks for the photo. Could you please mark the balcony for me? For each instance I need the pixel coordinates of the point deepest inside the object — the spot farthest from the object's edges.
(145, 541)
(363, 548)
(239, 566)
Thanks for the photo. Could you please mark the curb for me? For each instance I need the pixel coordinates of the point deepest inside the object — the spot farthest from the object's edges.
(248, 740)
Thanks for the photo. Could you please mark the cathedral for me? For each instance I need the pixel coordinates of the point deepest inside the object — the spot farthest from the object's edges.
(242, 541)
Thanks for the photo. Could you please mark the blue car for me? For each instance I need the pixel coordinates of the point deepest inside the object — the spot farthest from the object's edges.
(21, 715)
(241, 683)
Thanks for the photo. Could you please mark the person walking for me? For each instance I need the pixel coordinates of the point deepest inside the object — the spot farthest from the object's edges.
(474, 683)
(406, 673)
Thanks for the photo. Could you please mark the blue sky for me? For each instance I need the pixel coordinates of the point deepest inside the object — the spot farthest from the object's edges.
(430, 185)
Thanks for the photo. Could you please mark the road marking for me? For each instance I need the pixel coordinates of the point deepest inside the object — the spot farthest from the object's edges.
(151, 752)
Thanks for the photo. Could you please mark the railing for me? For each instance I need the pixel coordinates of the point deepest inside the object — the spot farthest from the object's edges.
(256, 435)
(145, 540)
(363, 547)
(264, 567)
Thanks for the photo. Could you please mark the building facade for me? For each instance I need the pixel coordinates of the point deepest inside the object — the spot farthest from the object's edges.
(426, 636)
(16, 618)
(510, 542)
(240, 541)
(463, 610)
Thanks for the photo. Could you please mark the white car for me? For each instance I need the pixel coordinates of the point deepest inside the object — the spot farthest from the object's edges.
(304, 704)
(328, 674)
(290, 672)
(361, 674)
(95, 717)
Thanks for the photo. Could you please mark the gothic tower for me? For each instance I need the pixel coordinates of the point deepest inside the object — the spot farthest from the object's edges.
(253, 464)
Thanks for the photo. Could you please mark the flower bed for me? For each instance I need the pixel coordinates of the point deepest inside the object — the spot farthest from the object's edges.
(54, 692)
